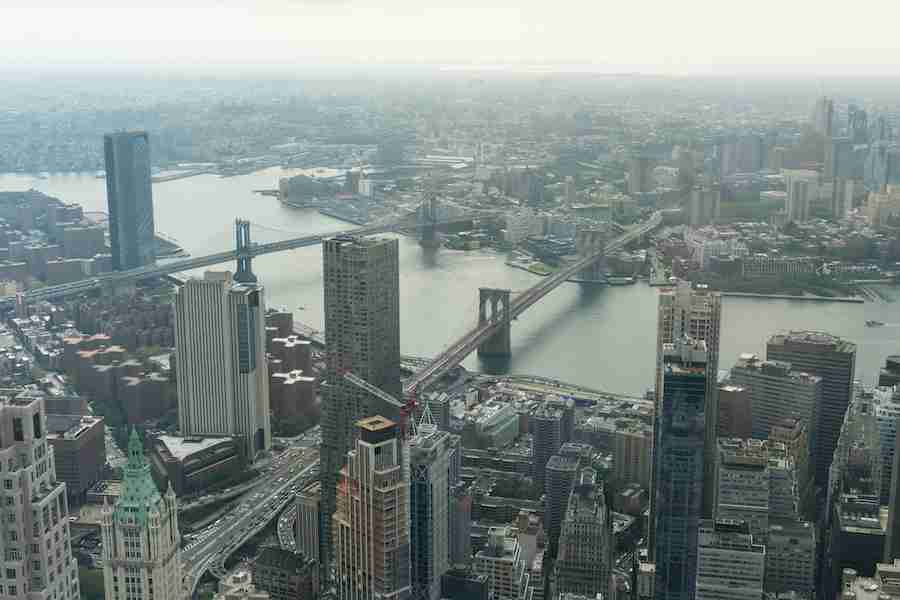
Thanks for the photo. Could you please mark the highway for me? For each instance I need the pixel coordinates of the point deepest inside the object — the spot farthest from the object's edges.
(290, 471)
(461, 348)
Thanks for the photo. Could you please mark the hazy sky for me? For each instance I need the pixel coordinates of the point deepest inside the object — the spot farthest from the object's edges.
(660, 36)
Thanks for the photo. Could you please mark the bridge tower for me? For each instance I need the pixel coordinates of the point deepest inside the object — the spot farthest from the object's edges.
(493, 305)
(426, 219)
(588, 240)
(242, 244)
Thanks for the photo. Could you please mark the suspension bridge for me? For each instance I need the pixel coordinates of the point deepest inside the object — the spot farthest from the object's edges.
(243, 251)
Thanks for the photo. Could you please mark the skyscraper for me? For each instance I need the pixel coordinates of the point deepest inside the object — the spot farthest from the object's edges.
(362, 335)
(584, 561)
(546, 425)
(823, 116)
(777, 392)
(129, 199)
(834, 360)
(429, 490)
(35, 550)
(220, 351)
(678, 474)
(729, 565)
(141, 543)
(560, 477)
(371, 523)
(695, 312)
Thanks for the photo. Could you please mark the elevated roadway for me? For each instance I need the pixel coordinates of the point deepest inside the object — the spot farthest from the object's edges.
(461, 348)
(215, 545)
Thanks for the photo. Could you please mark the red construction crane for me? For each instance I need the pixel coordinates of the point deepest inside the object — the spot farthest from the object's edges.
(407, 409)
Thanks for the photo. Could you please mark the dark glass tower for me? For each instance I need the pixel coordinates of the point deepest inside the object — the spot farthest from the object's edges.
(129, 198)
(678, 468)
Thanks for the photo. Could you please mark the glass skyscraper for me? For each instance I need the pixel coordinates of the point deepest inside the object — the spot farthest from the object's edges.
(129, 199)
(678, 469)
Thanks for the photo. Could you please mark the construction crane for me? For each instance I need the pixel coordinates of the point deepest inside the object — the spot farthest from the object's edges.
(407, 409)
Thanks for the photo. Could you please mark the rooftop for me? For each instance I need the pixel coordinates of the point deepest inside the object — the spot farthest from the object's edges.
(822, 340)
(69, 427)
(376, 423)
(181, 447)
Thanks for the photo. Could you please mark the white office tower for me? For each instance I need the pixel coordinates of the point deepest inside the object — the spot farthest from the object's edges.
(35, 547)
(220, 349)
(141, 556)
(729, 565)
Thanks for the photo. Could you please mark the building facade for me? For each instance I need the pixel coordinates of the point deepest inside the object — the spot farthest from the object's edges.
(371, 523)
(730, 566)
(790, 557)
(678, 468)
(309, 525)
(777, 392)
(286, 575)
(560, 478)
(429, 501)
(79, 448)
(129, 196)
(696, 313)
(35, 543)
(546, 424)
(221, 368)
(502, 563)
(362, 333)
(833, 360)
(141, 542)
(584, 561)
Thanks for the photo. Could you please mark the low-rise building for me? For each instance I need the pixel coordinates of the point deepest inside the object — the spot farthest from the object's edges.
(286, 575)
(193, 464)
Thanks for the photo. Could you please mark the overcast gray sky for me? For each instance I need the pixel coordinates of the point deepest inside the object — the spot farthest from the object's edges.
(659, 36)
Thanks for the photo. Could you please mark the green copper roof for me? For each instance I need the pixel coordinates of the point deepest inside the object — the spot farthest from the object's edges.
(139, 493)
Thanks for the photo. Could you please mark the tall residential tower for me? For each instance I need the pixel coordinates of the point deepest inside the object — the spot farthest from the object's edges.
(362, 335)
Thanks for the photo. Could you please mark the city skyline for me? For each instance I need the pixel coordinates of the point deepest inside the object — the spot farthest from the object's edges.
(657, 236)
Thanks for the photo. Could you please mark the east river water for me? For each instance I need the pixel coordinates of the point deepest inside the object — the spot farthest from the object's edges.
(602, 337)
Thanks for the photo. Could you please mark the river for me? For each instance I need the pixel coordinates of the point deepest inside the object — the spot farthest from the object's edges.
(602, 337)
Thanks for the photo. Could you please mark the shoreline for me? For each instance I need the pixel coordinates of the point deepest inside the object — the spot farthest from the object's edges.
(845, 299)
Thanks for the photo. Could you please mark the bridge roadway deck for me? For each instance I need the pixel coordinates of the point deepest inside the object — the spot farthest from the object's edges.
(249, 517)
(187, 264)
(465, 345)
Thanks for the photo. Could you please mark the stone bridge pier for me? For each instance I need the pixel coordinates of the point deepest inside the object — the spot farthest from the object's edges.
(493, 305)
